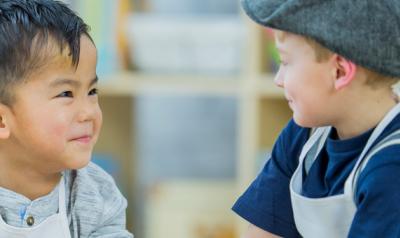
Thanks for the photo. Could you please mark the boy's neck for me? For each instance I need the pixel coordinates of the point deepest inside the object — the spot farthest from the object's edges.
(27, 182)
(363, 116)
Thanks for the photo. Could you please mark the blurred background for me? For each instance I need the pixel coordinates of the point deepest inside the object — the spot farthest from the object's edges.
(190, 110)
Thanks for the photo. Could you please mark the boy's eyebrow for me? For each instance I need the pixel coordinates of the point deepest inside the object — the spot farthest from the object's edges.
(73, 83)
(94, 81)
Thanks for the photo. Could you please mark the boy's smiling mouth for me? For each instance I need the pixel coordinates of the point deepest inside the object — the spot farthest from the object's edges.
(85, 139)
(288, 99)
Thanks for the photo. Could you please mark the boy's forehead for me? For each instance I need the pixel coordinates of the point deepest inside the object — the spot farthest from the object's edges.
(60, 63)
(44, 54)
(63, 60)
(55, 57)
(52, 64)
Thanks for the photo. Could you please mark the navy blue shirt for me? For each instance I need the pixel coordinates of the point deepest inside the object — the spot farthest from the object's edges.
(266, 203)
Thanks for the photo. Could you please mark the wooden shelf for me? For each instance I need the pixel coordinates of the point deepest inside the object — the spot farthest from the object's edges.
(262, 112)
(133, 84)
(267, 89)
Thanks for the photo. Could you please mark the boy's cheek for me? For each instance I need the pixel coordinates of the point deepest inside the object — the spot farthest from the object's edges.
(59, 135)
(98, 121)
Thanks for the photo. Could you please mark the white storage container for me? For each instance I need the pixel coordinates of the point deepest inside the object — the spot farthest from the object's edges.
(187, 44)
(194, 6)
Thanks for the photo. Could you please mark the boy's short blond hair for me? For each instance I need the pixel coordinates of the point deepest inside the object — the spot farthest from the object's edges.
(322, 54)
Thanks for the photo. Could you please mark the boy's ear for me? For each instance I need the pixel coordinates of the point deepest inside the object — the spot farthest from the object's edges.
(345, 71)
(4, 126)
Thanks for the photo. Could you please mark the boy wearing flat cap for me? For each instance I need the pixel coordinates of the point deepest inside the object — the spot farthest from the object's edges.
(340, 68)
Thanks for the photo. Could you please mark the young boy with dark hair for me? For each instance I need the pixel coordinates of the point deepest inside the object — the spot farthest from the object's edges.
(340, 71)
(49, 122)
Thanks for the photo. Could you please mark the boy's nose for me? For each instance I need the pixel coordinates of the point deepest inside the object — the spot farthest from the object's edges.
(88, 112)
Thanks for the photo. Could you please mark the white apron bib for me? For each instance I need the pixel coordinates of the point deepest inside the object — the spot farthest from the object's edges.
(331, 217)
(55, 226)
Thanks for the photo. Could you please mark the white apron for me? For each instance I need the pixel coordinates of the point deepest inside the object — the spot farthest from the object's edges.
(331, 217)
(55, 226)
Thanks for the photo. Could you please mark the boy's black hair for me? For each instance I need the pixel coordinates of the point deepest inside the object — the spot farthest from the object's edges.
(27, 29)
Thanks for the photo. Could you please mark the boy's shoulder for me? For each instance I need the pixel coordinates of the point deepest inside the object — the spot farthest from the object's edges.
(385, 154)
(95, 206)
(293, 137)
(390, 137)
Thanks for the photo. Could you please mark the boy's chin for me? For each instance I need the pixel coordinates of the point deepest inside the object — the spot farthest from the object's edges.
(78, 163)
(300, 121)
(308, 123)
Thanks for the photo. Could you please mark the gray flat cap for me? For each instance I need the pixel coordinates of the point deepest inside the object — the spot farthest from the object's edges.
(364, 31)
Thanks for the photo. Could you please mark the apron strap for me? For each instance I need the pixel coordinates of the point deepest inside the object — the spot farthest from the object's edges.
(313, 152)
(392, 139)
(349, 184)
(61, 197)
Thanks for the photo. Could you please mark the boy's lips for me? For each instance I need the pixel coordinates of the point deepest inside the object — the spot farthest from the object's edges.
(287, 97)
(83, 139)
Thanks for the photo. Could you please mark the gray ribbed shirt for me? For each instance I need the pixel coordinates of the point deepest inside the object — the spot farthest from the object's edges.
(95, 206)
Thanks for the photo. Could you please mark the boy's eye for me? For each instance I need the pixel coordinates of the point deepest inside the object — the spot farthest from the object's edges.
(66, 94)
(93, 92)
